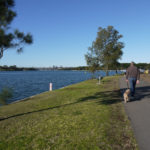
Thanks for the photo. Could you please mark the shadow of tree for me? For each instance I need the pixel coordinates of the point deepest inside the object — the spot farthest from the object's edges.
(26, 113)
(105, 98)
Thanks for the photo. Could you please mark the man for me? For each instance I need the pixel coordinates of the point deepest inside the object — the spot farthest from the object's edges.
(133, 77)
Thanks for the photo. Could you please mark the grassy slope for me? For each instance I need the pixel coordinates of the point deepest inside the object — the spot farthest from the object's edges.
(79, 117)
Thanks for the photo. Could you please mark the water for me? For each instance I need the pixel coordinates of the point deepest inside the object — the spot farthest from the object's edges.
(27, 83)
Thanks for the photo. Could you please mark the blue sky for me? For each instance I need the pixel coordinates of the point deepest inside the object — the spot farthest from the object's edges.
(64, 29)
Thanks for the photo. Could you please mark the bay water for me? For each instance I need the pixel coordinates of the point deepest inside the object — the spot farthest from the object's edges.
(28, 83)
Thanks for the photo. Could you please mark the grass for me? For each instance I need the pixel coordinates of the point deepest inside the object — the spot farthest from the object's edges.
(84, 116)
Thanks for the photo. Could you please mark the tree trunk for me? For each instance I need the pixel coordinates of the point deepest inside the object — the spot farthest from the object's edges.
(107, 70)
(1, 52)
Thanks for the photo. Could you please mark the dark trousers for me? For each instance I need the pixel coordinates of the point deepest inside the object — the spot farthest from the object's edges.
(132, 82)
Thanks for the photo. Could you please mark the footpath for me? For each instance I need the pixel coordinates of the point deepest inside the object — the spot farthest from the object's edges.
(138, 111)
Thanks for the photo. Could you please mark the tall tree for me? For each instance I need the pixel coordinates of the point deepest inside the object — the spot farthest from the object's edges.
(93, 68)
(106, 50)
(10, 38)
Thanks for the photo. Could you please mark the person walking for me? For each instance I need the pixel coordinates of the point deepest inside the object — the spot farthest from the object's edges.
(132, 77)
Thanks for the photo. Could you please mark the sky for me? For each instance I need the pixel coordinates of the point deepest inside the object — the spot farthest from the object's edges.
(64, 29)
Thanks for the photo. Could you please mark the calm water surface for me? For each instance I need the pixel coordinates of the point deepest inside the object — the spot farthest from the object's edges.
(28, 83)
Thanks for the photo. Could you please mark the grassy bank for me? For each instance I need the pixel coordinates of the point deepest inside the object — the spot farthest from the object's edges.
(84, 116)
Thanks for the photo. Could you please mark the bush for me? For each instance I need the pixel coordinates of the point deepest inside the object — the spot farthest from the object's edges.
(5, 94)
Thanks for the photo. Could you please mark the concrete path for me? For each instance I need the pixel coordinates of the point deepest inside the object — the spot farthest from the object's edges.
(138, 111)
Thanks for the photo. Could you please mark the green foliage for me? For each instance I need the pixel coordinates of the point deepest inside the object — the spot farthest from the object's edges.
(15, 68)
(139, 65)
(93, 69)
(10, 38)
(106, 50)
(143, 65)
(5, 94)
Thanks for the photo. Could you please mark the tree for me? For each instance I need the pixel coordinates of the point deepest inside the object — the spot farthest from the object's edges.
(10, 38)
(92, 61)
(106, 50)
(93, 68)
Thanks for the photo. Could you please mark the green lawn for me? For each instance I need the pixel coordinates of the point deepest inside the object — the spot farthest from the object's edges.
(84, 116)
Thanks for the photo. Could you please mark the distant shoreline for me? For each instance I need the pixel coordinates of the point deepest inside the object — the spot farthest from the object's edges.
(121, 66)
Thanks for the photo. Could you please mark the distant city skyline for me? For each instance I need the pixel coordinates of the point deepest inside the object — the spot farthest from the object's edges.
(63, 30)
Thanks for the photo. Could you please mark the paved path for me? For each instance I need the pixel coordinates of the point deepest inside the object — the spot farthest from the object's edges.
(138, 111)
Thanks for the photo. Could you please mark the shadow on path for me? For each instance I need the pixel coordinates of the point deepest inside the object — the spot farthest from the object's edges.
(140, 93)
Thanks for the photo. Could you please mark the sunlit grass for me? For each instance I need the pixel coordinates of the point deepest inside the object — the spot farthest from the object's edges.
(84, 116)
